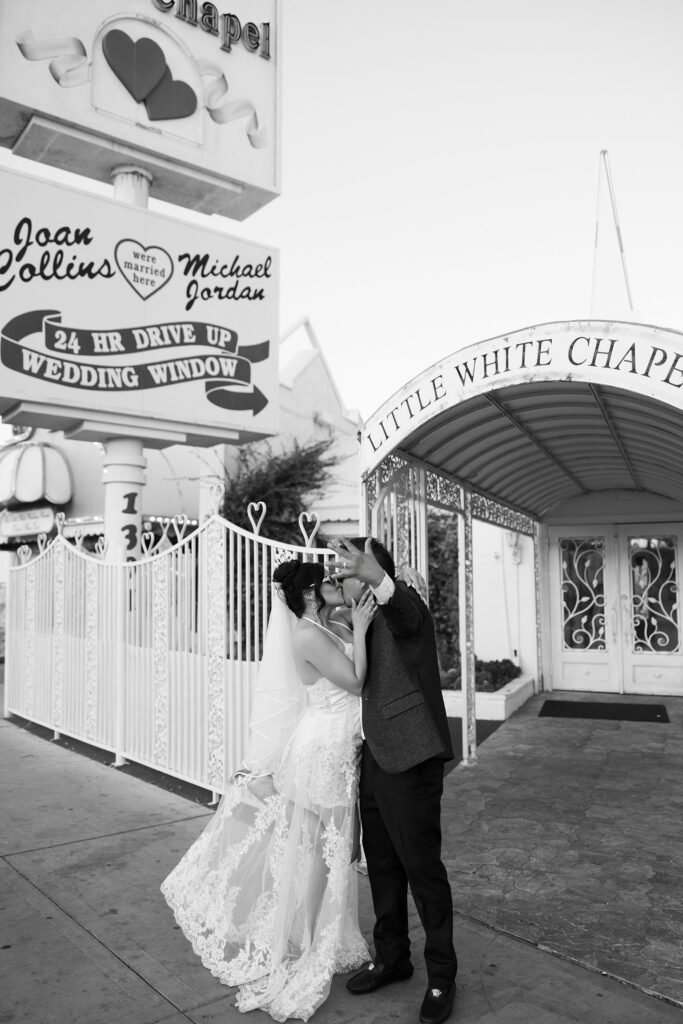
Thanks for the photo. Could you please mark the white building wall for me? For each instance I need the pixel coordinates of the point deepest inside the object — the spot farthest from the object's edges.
(504, 596)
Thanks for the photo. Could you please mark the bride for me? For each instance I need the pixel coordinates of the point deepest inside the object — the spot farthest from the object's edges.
(267, 895)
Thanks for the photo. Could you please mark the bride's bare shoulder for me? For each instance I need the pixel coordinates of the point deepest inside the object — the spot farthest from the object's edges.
(306, 635)
(310, 639)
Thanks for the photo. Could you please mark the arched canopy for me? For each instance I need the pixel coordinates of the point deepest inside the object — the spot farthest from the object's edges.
(546, 414)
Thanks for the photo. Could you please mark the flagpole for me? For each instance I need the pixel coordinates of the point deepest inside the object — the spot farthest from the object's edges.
(594, 287)
(618, 228)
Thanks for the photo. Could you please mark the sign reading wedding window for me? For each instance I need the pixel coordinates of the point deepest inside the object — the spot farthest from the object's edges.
(180, 87)
(116, 321)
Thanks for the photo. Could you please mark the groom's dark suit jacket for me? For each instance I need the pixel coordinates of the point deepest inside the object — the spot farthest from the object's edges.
(404, 719)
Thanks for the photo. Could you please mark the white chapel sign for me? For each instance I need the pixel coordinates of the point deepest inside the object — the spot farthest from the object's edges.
(116, 321)
(181, 87)
(629, 356)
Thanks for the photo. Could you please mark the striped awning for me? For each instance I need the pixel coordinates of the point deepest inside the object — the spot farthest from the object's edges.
(34, 472)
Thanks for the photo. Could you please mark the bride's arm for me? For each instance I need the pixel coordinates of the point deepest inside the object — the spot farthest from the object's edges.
(362, 615)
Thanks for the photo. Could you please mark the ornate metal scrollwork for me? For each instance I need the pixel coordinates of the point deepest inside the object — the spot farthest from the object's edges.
(583, 593)
(497, 514)
(654, 594)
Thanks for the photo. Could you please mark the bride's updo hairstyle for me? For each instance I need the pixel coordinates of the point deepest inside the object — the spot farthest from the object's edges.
(296, 577)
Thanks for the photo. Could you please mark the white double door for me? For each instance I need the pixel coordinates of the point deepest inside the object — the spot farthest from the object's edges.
(615, 616)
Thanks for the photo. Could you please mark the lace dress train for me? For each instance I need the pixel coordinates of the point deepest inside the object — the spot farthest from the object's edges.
(267, 895)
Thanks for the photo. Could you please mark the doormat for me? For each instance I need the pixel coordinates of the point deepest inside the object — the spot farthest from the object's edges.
(613, 711)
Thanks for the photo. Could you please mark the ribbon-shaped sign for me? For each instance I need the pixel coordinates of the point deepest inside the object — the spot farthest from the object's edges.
(68, 57)
(223, 113)
(225, 368)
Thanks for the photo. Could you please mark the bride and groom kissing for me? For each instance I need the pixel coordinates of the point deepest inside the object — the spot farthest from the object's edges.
(344, 717)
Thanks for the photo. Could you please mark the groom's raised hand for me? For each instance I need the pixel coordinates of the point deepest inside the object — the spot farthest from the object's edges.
(352, 562)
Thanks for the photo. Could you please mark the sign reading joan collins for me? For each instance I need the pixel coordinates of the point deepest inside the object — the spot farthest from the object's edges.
(117, 321)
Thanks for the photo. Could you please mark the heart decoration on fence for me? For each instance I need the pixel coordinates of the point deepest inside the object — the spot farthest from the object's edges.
(148, 542)
(256, 511)
(141, 68)
(78, 537)
(304, 519)
(181, 525)
(24, 554)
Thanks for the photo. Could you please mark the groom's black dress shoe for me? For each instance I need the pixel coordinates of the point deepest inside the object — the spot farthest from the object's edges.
(437, 1005)
(374, 976)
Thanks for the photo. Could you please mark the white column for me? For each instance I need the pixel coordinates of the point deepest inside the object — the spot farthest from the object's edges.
(210, 480)
(123, 477)
(538, 593)
(124, 463)
(467, 654)
(131, 184)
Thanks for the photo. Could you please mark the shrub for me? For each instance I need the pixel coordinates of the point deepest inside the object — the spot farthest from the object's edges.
(489, 676)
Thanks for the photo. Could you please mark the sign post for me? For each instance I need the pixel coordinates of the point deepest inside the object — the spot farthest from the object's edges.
(124, 462)
(124, 478)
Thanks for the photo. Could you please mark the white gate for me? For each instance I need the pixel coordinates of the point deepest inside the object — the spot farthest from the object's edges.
(154, 660)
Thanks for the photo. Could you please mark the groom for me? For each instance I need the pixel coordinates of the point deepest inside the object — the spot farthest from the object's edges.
(406, 742)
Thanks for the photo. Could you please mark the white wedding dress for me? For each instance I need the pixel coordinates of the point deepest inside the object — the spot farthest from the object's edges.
(267, 895)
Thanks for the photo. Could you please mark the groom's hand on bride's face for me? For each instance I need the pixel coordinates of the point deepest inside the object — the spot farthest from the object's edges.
(360, 564)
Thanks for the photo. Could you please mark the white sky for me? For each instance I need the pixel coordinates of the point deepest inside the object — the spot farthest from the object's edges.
(440, 169)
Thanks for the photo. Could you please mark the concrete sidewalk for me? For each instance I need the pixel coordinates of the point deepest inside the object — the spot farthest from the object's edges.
(86, 938)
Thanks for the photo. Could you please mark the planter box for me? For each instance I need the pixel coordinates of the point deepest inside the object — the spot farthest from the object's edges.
(492, 707)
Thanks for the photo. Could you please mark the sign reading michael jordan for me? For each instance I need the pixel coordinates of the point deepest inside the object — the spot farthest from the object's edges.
(112, 314)
(187, 90)
(634, 357)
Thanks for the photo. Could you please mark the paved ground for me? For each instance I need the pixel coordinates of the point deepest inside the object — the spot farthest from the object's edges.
(569, 834)
(566, 835)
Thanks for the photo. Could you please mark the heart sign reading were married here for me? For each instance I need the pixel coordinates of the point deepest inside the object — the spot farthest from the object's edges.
(146, 268)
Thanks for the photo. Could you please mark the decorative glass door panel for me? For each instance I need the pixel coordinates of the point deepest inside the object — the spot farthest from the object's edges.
(584, 609)
(654, 595)
(652, 658)
(583, 593)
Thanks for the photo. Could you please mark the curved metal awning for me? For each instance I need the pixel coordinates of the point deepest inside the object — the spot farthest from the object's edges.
(534, 446)
(596, 406)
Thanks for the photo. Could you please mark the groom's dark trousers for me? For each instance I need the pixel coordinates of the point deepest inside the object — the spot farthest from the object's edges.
(406, 744)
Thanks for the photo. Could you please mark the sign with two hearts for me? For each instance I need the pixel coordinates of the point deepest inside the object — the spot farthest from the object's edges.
(188, 92)
(142, 69)
(114, 315)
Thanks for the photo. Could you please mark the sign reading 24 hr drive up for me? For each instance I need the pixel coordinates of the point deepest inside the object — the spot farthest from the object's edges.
(115, 320)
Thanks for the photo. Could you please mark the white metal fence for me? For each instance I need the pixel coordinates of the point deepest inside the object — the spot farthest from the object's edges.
(154, 660)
